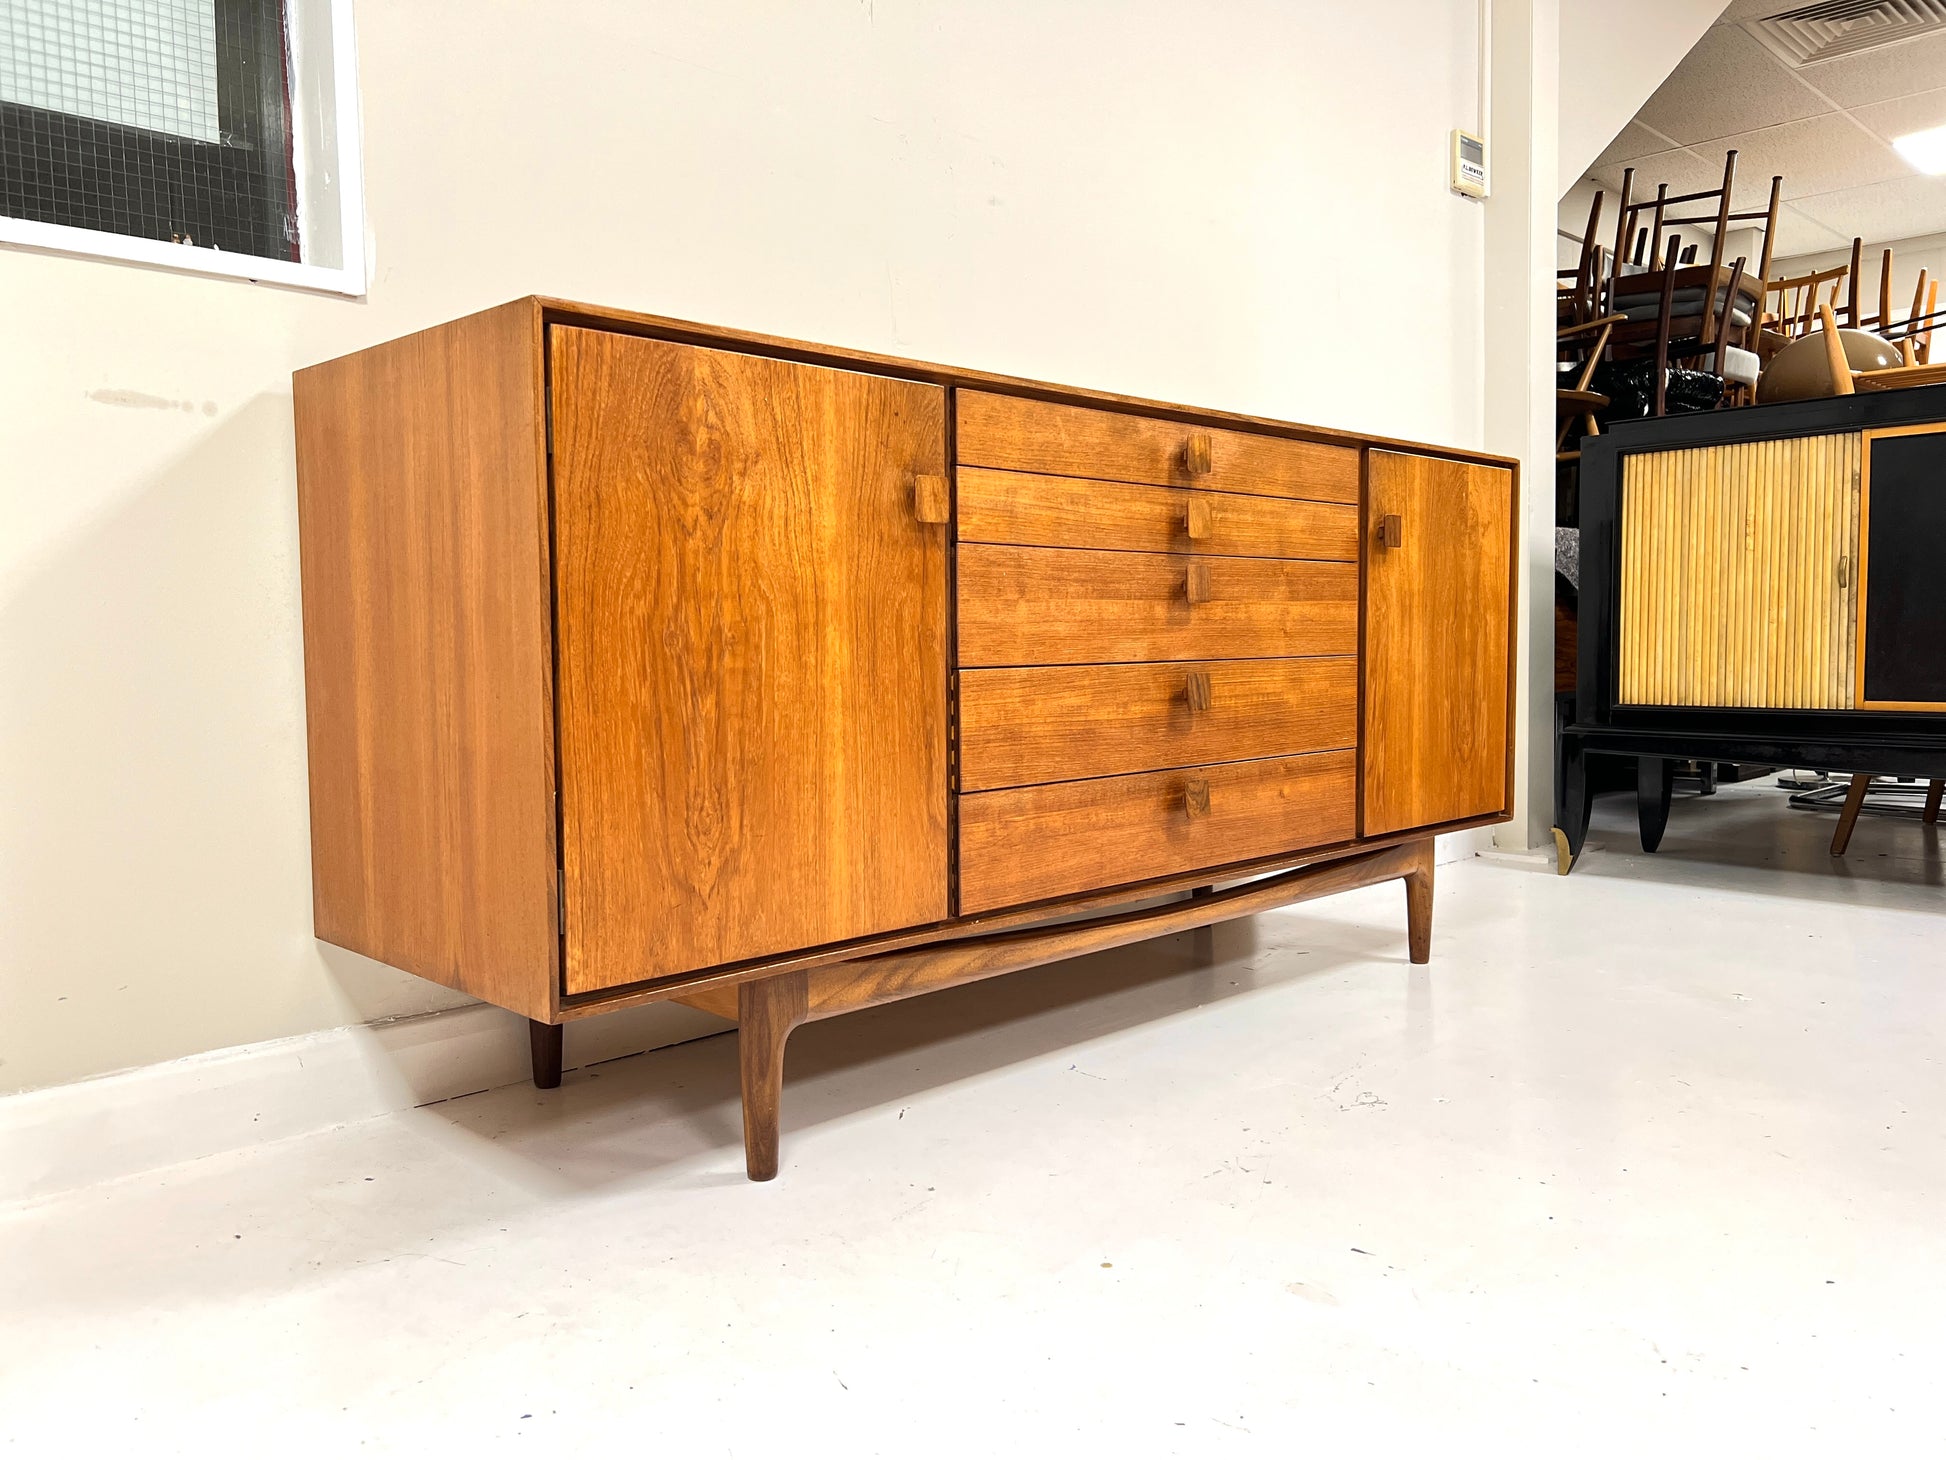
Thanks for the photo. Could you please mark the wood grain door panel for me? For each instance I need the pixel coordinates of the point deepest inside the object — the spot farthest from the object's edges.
(1024, 508)
(1060, 606)
(752, 655)
(1017, 434)
(1436, 657)
(1018, 727)
(1037, 842)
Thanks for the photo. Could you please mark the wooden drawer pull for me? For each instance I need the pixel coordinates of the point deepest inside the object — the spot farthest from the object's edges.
(931, 501)
(1195, 585)
(1197, 452)
(1195, 799)
(1195, 690)
(1391, 531)
(1198, 518)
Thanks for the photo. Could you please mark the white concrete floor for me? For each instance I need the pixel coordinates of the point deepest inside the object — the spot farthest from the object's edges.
(1649, 1155)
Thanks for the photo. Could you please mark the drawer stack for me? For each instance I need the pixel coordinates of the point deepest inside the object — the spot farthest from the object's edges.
(1158, 637)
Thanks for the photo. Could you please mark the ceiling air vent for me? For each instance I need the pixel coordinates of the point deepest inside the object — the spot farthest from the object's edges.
(1823, 32)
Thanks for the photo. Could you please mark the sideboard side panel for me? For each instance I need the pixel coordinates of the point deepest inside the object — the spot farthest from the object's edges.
(427, 656)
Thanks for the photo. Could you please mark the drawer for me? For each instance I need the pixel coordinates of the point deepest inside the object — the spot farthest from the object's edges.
(1013, 434)
(1044, 511)
(1076, 836)
(1019, 727)
(1025, 605)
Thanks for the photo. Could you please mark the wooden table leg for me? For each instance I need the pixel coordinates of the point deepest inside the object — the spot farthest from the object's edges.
(768, 1009)
(544, 1045)
(1418, 903)
(1848, 818)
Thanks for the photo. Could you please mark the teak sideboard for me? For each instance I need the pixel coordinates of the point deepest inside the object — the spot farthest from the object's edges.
(646, 661)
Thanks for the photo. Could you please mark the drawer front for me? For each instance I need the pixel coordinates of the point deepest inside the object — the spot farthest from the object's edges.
(1023, 605)
(1077, 512)
(1021, 727)
(1038, 842)
(1013, 434)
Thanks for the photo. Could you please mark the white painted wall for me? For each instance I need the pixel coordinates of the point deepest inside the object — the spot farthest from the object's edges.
(1242, 204)
(1613, 57)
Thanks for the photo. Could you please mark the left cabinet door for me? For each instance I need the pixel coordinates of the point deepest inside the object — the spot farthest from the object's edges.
(751, 631)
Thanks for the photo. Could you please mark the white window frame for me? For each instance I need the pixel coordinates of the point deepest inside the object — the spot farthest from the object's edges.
(328, 163)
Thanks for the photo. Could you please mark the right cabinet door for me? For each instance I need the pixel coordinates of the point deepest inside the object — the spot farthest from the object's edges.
(1438, 585)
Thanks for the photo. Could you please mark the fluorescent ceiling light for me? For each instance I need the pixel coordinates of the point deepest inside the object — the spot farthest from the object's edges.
(1924, 150)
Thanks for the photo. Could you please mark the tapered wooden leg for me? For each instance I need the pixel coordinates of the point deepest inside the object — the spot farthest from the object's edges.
(768, 1009)
(1933, 790)
(1418, 904)
(1573, 801)
(1848, 818)
(1655, 783)
(544, 1043)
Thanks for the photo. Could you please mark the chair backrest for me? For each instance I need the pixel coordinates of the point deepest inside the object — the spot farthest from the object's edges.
(1796, 310)
(1662, 217)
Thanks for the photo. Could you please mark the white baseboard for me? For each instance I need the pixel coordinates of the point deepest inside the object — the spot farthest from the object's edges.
(120, 1125)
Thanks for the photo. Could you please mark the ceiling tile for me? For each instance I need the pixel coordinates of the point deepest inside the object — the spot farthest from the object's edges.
(1684, 171)
(1915, 113)
(1816, 155)
(1728, 84)
(1882, 213)
(1890, 71)
(1635, 140)
(1755, 10)
(1798, 235)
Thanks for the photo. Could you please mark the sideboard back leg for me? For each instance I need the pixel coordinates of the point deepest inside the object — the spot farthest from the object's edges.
(1418, 903)
(1933, 792)
(544, 1043)
(768, 1009)
(1655, 783)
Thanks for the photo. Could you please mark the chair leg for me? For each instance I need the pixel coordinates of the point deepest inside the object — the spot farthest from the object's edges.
(1655, 782)
(1933, 791)
(1848, 818)
(768, 1009)
(544, 1045)
(1418, 904)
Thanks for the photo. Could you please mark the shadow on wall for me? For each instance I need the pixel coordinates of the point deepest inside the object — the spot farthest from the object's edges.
(154, 858)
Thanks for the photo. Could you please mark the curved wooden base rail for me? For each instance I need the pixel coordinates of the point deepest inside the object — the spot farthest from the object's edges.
(768, 1009)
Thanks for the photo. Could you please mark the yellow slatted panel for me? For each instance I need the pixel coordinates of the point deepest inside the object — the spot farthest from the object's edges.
(1738, 571)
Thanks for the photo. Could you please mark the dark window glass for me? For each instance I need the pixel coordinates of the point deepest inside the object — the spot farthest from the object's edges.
(163, 119)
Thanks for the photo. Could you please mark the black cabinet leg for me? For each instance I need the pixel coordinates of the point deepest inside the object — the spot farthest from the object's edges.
(1574, 802)
(1655, 780)
(544, 1042)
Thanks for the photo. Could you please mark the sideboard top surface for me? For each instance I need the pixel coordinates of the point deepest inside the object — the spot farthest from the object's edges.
(546, 311)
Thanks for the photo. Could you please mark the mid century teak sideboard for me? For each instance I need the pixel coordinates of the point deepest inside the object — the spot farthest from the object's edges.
(646, 660)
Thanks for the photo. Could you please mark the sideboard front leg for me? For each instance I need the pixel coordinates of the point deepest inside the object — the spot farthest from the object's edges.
(1418, 903)
(768, 1009)
(544, 1045)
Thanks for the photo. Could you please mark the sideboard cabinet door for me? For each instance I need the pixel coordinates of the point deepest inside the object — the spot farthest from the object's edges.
(1438, 584)
(752, 655)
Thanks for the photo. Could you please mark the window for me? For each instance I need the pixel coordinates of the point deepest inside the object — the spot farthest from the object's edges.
(214, 135)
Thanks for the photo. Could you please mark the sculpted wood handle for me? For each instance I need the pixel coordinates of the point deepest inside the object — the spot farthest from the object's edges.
(1195, 799)
(1196, 453)
(931, 499)
(1195, 585)
(1391, 531)
(1844, 572)
(1198, 518)
(1195, 690)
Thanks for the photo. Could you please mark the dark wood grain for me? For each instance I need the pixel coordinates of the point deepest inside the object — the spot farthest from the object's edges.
(1436, 656)
(768, 1009)
(1042, 511)
(1060, 606)
(1037, 842)
(422, 499)
(752, 625)
(1418, 901)
(1016, 434)
(1022, 726)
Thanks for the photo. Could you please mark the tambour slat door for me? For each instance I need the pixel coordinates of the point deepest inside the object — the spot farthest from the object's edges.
(751, 640)
(1438, 590)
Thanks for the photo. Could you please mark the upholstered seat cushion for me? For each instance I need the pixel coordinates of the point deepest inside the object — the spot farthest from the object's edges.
(1686, 304)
